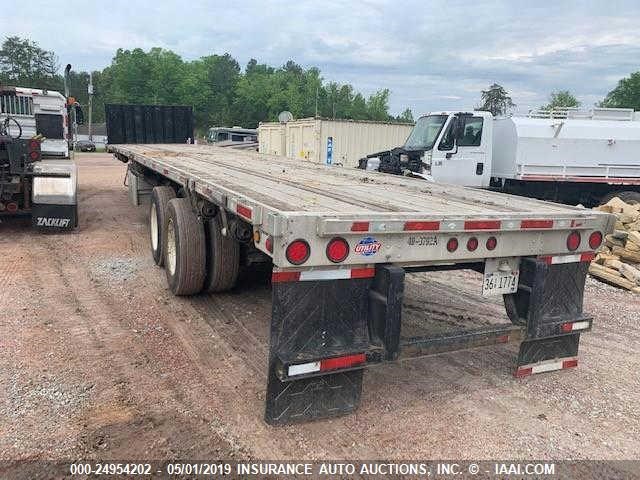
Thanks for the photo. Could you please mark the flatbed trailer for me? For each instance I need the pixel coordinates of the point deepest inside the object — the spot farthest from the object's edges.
(340, 242)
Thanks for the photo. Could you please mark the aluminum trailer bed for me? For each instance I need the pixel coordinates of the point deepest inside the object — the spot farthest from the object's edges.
(340, 241)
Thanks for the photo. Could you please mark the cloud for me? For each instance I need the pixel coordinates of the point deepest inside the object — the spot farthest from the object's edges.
(432, 55)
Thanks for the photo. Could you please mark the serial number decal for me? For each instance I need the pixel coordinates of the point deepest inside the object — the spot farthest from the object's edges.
(423, 241)
(367, 246)
(110, 469)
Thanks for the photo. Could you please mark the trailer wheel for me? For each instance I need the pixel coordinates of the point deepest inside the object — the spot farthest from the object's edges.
(632, 198)
(223, 258)
(160, 197)
(184, 248)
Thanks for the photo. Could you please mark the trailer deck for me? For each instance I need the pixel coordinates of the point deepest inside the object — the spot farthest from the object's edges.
(290, 187)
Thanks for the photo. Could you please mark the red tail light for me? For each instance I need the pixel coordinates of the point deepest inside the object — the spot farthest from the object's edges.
(472, 244)
(268, 243)
(298, 252)
(573, 241)
(337, 250)
(595, 240)
(452, 244)
(492, 243)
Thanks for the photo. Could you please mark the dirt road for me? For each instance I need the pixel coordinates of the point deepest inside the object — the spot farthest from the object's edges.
(98, 359)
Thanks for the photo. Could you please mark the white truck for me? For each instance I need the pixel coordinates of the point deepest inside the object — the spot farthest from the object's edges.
(568, 156)
(340, 241)
(38, 178)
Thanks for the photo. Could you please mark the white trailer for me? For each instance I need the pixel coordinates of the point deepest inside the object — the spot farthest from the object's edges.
(570, 156)
(326, 141)
(39, 112)
(339, 241)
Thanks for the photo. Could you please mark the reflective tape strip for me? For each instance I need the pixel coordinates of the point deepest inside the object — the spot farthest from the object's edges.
(325, 274)
(243, 210)
(546, 366)
(315, 275)
(578, 257)
(572, 326)
(303, 368)
(535, 224)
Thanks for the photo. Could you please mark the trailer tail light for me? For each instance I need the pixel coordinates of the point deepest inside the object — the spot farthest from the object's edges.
(268, 243)
(34, 150)
(472, 244)
(337, 250)
(492, 243)
(298, 252)
(595, 240)
(452, 244)
(573, 241)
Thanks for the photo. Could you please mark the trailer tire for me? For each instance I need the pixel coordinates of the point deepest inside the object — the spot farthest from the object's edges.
(184, 248)
(223, 258)
(160, 197)
(632, 198)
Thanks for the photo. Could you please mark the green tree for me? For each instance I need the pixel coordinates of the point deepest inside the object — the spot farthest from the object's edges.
(378, 106)
(626, 94)
(496, 100)
(24, 63)
(561, 99)
(406, 116)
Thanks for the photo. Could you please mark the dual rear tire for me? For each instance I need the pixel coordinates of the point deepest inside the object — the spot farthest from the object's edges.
(196, 255)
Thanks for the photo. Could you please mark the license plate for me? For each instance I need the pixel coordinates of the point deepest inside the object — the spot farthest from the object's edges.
(500, 276)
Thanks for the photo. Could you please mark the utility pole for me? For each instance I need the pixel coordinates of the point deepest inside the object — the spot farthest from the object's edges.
(90, 92)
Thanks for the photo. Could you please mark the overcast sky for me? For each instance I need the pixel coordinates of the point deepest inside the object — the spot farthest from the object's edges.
(432, 55)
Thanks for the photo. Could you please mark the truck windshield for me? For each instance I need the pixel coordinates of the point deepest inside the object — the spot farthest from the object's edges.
(425, 132)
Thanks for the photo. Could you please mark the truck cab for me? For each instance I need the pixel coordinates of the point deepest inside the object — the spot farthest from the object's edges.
(447, 147)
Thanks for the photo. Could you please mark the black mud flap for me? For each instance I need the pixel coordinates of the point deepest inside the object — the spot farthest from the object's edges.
(547, 354)
(312, 398)
(312, 320)
(54, 217)
(548, 296)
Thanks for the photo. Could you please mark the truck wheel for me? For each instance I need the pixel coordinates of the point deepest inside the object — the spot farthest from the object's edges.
(223, 258)
(184, 248)
(160, 197)
(632, 198)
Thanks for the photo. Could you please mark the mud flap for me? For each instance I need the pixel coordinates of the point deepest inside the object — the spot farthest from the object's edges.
(54, 217)
(549, 299)
(547, 354)
(312, 320)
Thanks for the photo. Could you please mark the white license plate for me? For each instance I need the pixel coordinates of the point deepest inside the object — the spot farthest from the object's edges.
(500, 276)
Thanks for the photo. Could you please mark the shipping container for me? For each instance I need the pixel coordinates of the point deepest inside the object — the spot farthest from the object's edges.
(148, 123)
(332, 141)
(272, 138)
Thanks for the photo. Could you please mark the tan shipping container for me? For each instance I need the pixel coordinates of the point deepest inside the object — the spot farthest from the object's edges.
(308, 139)
(272, 139)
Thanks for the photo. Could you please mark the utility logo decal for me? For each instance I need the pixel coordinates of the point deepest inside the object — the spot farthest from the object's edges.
(53, 222)
(367, 246)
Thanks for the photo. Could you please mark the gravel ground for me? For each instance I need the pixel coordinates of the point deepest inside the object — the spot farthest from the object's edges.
(99, 360)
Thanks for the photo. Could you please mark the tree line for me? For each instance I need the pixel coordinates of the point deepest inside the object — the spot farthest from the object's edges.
(220, 92)
(223, 94)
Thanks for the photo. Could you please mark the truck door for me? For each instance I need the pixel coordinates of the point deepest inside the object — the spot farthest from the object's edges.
(463, 162)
